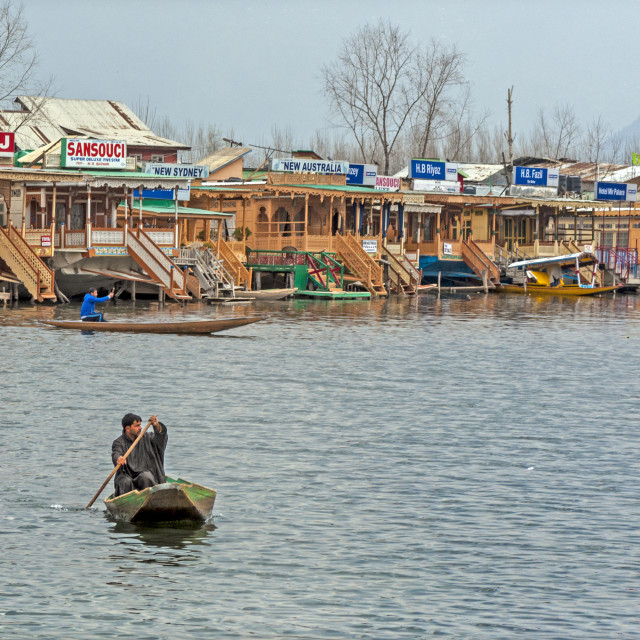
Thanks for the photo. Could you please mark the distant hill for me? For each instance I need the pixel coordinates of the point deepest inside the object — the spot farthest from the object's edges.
(631, 131)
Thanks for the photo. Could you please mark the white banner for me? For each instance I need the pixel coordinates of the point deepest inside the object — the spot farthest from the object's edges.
(438, 186)
(370, 246)
(306, 165)
(387, 183)
(103, 154)
(188, 171)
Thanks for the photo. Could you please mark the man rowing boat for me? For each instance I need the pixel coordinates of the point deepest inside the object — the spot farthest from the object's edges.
(88, 310)
(144, 467)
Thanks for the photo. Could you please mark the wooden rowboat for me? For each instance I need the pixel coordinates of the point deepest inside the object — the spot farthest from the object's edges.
(194, 326)
(175, 501)
(267, 294)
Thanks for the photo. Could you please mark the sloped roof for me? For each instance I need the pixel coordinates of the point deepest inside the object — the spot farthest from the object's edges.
(45, 120)
(223, 157)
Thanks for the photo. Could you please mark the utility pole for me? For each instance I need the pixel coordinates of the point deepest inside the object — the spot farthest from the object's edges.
(509, 135)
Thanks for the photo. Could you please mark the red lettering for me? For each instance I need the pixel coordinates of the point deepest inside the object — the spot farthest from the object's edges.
(101, 150)
(94, 149)
(109, 149)
(71, 148)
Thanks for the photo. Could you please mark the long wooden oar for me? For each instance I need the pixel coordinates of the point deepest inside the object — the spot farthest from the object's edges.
(126, 455)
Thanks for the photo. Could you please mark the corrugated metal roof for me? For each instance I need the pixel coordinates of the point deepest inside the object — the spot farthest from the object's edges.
(55, 118)
(223, 157)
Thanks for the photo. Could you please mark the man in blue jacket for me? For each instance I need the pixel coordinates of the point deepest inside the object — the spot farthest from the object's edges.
(88, 309)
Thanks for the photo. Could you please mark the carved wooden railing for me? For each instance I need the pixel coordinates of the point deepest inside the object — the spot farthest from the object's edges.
(473, 255)
(240, 274)
(157, 264)
(361, 264)
(26, 265)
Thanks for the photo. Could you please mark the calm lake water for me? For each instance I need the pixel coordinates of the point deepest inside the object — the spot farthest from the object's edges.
(460, 468)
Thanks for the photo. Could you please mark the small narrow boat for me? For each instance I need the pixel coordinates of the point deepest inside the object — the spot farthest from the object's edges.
(557, 276)
(174, 501)
(187, 326)
(267, 294)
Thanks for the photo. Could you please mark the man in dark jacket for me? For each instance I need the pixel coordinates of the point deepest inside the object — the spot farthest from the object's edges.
(88, 309)
(145, 465)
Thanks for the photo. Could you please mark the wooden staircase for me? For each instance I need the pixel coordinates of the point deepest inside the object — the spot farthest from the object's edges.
(404, 278)
(361, 264)
(479, 261)
(240, 275)
(27, 265)
(157, 265)
(212, 277)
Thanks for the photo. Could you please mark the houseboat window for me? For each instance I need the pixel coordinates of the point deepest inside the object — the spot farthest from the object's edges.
(427, 230)
(77, 217)
(282, 222)
(262, 226)
(298, 223)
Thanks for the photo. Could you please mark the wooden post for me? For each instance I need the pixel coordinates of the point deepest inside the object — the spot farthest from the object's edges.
(244, 230)
(53, 222)
(306, 221)
(24, 209)
(133, 289)
(175, 219)
(88, 218)
(140, 206)
(439, 281)
(485, 286)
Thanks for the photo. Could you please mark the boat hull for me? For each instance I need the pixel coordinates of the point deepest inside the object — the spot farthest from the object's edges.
(197, 326)
(267, 294)
(545, 290)
(175, 501)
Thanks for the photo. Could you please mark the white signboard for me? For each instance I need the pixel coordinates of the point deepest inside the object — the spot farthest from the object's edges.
(306, 165)
(370, 246)
(187, 171)
(447, 249)
(387, 183)
(436, 186)
(102, 154)
(588, 248)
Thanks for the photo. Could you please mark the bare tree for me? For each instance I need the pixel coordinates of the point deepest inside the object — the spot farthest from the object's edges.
(371, 90)
(556, 136)
(18, 65)
(18, 57)
(445, 95)
(594, 141)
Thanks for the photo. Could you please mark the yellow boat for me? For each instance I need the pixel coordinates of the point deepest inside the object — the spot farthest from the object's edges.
(558, 276)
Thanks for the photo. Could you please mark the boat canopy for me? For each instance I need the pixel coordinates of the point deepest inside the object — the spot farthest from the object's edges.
(584, 258)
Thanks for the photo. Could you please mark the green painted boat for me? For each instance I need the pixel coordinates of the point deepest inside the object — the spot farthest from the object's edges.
(174, 501)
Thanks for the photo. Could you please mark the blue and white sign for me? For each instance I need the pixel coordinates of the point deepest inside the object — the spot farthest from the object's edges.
(364, 174)
(535, 177)
(163, 194)
(188, 171)
(306, 165)
(433, 170)
(616, 191)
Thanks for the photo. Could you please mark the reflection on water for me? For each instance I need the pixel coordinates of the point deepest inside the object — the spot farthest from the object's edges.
(162, 536)
(402, 468)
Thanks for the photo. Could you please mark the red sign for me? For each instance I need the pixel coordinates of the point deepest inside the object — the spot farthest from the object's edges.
(45, 241)
(7, 143)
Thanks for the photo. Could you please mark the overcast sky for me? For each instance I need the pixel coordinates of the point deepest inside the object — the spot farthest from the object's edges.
(247, 65)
